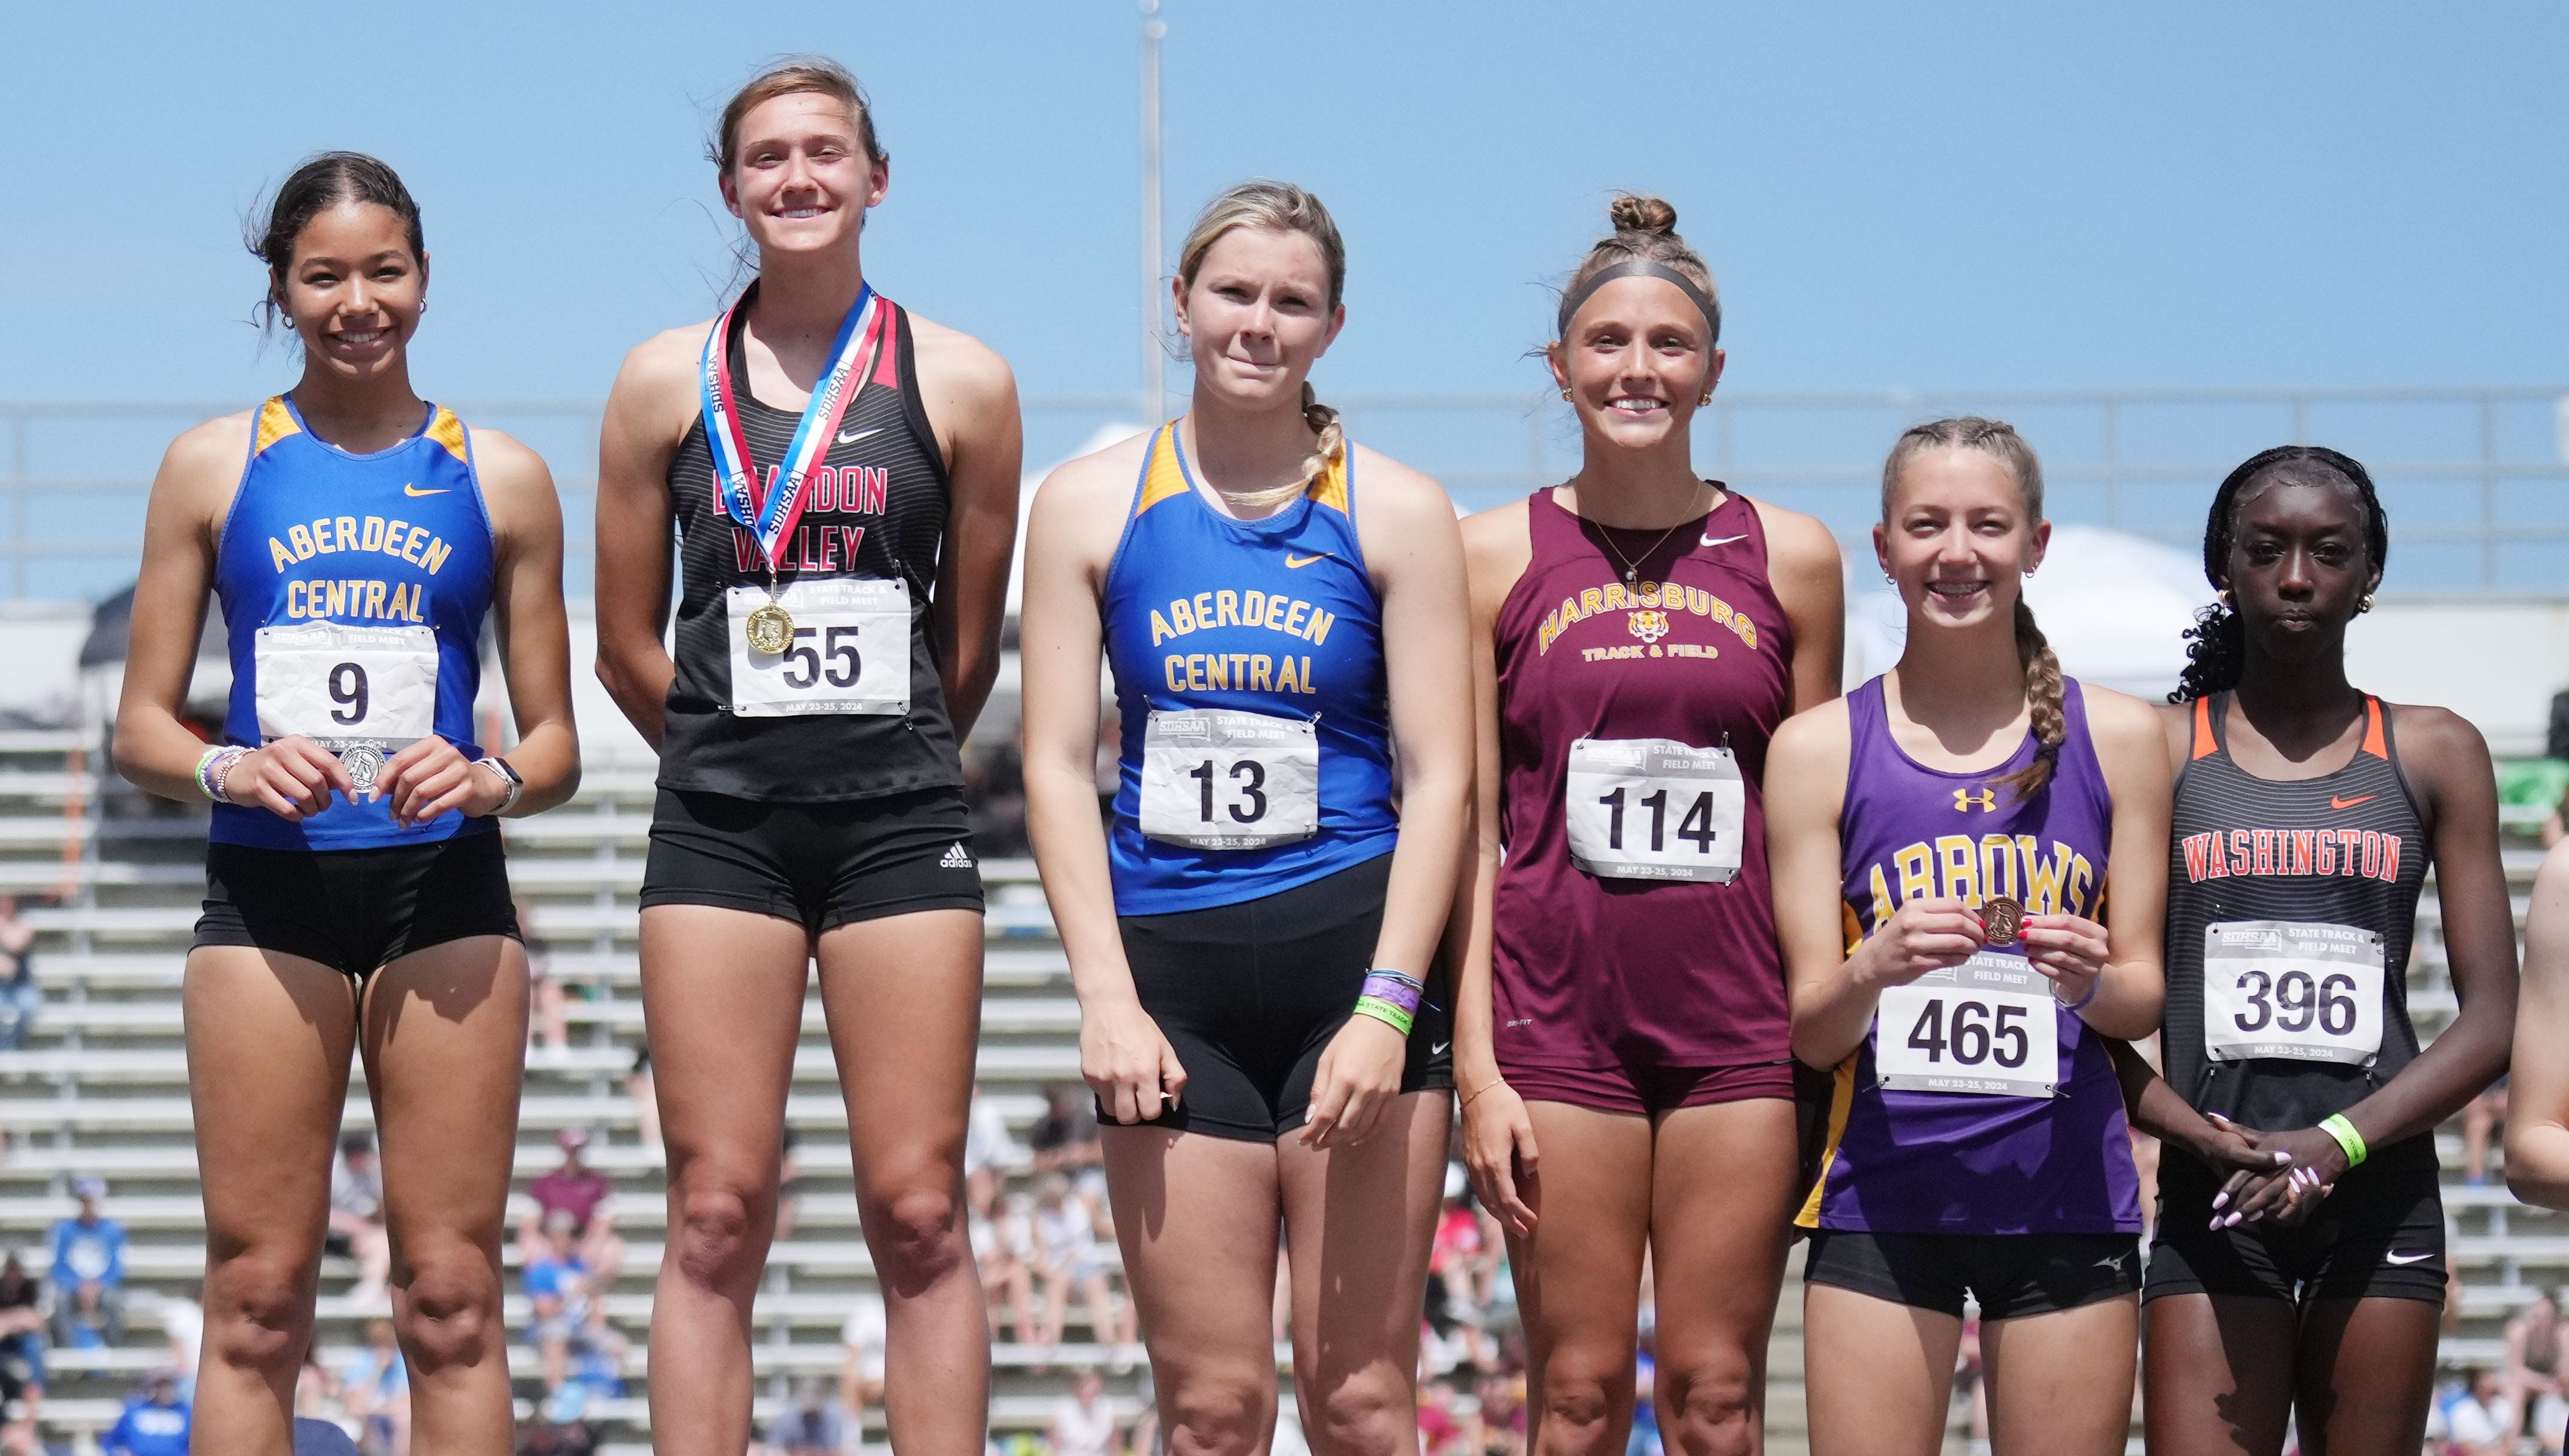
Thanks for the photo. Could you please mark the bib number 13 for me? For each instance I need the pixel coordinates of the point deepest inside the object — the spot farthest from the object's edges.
(1222, 780)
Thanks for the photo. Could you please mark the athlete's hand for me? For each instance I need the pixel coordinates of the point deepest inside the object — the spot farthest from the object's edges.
(2072, 949)
(1923, 936)
(2247, 1171)
(292, 778)
(1128, 1063)
(2312, 1163)
(1499, 1152)
(1359, 1076)
(432, 777)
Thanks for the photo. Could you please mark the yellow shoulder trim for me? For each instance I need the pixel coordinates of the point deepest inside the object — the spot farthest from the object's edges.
(275, 422)
(1163, 476)
(448, 431)
(1332, 491)
(1841, 1104)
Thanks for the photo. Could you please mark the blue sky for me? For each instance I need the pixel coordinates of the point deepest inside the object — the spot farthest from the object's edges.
(1892, 194)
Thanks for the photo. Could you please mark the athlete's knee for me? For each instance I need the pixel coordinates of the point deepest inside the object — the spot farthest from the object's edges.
(258, 1309)
(917, 1234)
(1707, 1408)
(1217, 1414)
(1372, 1413)
(451, 1300)
(1585, 1399)
(721, 1231)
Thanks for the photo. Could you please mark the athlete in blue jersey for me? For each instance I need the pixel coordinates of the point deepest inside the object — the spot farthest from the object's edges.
(1253, 937)
(356, 537)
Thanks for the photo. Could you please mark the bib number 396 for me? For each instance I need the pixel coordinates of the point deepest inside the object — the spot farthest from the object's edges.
(342, 686)
(1221, 779)
(1988, 1027)
(2294, 989)
(848, 652)
(1654, 809)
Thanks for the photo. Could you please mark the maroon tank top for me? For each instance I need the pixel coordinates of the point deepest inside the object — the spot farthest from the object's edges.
(1593, 971)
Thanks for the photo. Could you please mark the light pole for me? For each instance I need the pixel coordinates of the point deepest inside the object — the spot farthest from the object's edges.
(1155, 357)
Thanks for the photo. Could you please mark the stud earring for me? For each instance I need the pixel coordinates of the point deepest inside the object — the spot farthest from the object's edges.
(1889, 579)
(2364, 606)
(1706, 399)
(1565, 394)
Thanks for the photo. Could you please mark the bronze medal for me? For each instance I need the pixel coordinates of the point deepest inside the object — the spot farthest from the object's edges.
(770, 629)
(2000, 919)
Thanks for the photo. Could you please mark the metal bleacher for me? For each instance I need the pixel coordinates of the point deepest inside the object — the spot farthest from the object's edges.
(99, 1088)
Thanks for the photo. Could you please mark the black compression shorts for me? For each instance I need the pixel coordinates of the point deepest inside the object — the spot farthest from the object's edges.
(1250, 994)
(822, 865)
(2009, 1274)
(2376, 1237)
(356, 910)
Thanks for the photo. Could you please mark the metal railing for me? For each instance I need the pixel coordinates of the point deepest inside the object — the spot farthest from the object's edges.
(2476, 481)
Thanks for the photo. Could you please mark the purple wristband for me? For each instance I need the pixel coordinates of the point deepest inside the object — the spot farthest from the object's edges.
(1392, 987)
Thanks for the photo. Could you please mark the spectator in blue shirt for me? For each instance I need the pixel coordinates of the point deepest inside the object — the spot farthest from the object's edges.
(89, 1273)
(559, 1290)
(155, 1423)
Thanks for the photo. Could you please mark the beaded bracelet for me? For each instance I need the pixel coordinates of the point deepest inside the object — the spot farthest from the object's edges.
(2337, 1126)
(204, 782)
(1385, 1012)
(221, 776)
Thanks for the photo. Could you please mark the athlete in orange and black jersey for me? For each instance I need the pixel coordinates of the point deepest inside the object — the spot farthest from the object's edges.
(844, 476)
(2299, 1262)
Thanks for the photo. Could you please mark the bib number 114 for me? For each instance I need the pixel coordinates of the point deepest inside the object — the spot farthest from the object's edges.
(1696, 828)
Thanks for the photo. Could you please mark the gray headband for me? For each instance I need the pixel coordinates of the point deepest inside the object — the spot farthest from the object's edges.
(1642, 268)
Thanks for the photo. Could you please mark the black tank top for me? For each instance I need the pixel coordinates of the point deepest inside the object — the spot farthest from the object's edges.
(877, 508)
(2346, 848)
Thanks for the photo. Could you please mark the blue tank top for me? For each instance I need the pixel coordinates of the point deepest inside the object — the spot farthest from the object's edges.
(357, 584)
(1908, 1151)
(1207, 615)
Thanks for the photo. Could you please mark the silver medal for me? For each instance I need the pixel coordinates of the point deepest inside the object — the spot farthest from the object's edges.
(363, 763)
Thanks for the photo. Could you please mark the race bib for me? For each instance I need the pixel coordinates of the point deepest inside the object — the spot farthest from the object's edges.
(344, 686)
(1212, 779)
(2292, 989)
(1656, 809)
(848, 652)
(1987, 1027)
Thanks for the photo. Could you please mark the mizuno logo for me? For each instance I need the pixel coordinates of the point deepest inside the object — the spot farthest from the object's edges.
(416, 491)
(1722, 540)
(2408, 1258)
(1986, 799)
(2337, 802)
(956, 858)
(1297, 563)
(851, 437)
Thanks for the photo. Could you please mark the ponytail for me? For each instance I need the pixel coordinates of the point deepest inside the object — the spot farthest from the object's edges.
(2045, 690)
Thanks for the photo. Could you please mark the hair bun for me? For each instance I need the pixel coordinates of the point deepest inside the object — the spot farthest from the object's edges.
(1630, 213)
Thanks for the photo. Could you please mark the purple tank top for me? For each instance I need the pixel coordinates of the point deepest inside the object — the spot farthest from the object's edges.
(1593, 972)
(1906, 1161)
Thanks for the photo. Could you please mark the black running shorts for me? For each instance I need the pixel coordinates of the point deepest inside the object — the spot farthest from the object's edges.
(356, 910)
(1250, 994)
(2009, 1274)
(822, 865)
(2376, 1237)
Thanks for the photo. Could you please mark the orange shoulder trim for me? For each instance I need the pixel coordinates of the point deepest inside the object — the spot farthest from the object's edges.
(448, 431)
(1162, 476)
(275, 422)
(2374, 741)
(2204, 746)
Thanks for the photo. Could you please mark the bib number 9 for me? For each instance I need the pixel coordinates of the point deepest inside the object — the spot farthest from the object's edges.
(2293, 989)
(348, 687)
(341, 686)
(1219, 780)
(1988, 1027)
(1654, 809)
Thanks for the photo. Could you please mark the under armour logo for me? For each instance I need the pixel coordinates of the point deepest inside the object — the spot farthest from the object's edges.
(1963, 799)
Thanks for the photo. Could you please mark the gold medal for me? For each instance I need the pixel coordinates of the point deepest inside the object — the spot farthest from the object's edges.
(2000, 919)
(770, 629)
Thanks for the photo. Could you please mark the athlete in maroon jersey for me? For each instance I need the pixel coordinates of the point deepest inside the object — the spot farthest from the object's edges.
(2299, 1260)
(1622, 1005)
(811, 798)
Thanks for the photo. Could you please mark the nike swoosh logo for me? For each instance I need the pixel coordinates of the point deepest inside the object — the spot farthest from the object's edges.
(416, 491)
(1297, 563)
(1722, 539)
(2337, 802)
(1438, 1049)
(851, 437)
(2407, 1258)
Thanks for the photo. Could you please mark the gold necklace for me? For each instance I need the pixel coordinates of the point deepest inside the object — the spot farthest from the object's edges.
(1633, 567)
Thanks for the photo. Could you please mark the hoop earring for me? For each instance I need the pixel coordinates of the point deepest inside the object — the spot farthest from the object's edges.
(1889, 579)
(423, 303)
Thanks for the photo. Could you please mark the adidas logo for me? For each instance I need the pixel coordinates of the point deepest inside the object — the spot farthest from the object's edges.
(956, 858)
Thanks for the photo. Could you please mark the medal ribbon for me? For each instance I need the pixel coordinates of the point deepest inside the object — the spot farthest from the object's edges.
(735, 475)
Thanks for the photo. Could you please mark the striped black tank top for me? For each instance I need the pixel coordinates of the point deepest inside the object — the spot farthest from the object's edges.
(2251, 863)
(877, 509)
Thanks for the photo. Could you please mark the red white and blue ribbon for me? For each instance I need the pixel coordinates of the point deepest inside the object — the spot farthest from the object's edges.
(772, 520)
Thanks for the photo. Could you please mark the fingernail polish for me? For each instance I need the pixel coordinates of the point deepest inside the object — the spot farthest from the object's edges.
(2220, 1200)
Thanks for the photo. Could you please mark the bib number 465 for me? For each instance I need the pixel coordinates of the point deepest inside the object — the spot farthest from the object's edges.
(1979, 1033)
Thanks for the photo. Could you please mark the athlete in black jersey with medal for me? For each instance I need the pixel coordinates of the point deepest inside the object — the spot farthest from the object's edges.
(2299, 1260)
(843, 477)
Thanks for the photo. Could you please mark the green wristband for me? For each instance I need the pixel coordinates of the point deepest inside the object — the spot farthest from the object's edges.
(2335, 1126)
(1385, 1012)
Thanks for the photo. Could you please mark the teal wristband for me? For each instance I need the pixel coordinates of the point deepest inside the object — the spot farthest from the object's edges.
(2335, 1126)
(1385, 1012)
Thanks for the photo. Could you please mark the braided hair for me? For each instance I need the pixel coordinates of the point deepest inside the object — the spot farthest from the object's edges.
(2044, 687)
(2217, 644)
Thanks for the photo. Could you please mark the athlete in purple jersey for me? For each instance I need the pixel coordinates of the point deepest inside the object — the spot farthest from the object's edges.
(1620, 1016)
(2299, 1262)
(1944, 845)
